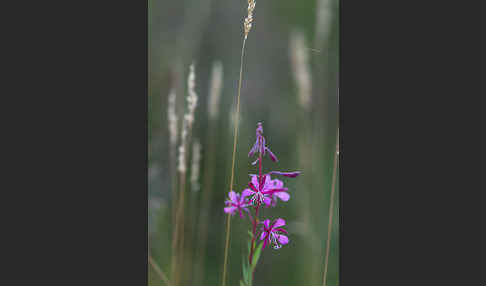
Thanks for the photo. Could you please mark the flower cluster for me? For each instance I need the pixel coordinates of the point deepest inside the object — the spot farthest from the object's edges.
(272, 233)
(236, 203)
(262, 191)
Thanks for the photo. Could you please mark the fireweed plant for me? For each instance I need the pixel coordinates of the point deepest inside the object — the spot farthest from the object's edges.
(262, 191)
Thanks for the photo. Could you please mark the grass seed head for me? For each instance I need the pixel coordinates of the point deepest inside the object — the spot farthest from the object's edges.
(249, 18)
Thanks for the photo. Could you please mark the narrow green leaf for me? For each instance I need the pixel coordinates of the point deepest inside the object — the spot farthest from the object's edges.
(245, 269)
(256, 255)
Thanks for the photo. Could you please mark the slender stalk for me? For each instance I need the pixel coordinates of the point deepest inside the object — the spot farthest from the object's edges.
(255, 222)
(331, 210)
(159, 271)
(228, 221)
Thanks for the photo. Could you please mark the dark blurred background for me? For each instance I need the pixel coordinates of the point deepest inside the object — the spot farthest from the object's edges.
(290, 83)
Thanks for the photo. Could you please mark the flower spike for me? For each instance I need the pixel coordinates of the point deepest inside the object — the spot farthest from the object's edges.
(262, 191)
(260, 145)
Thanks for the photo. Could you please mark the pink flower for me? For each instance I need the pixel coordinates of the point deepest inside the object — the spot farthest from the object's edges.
(276, 183)
(236, 203)
(272, 233)
(259, 145)
(268, 190)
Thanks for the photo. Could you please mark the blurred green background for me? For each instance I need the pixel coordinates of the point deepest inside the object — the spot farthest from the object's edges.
(302, 137)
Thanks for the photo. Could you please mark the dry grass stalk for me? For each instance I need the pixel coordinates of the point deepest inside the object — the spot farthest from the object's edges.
(192, 98)
(331, 211)
(247, 27)
(178, 234)
(181, 166)
(172, 127)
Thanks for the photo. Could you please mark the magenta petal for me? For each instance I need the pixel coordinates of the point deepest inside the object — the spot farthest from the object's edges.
(254, 181)
(286, 174)
(262, 146)
(278, 222)
(253, 149)
(246, 193)
(267, 201)
(232, 196)
(274, 191)
(272, 156)
(277, 184)
(230, 210)
(284, 196)
(265, 243)
(268, 181)
(274, 201)
(264, 179)
(259, 129)
(280, 229)
(266, 223)
(283, 239)
(262, 236)
(252, 186)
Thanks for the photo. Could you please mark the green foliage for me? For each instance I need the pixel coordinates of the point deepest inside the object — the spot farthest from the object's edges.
(247, 268)
(256, 255)
(246, 274)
